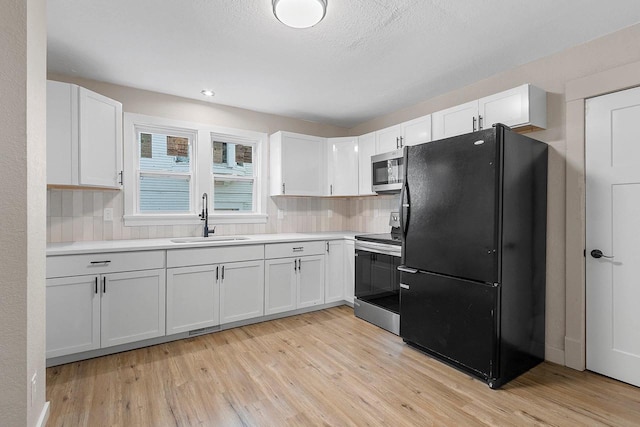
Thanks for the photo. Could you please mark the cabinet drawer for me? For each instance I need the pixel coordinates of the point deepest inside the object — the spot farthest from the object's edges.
(217, 255)
(76, 265)
(292, 249)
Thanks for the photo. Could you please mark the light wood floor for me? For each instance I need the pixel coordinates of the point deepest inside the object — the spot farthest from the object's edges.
(322, 368)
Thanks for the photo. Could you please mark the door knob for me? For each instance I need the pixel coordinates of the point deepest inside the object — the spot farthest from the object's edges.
(597, 253)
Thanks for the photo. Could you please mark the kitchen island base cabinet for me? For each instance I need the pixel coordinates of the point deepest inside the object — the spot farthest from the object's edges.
(73, 315)
(193, 298)
(241, 291)
(133, 307)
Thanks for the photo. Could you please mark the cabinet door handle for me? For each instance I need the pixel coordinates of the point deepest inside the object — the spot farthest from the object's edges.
(298, 249)
(327, 247)
(96, 284)
(397, 142)
(295, 264)
(121, 180)
(223, 272)
(104, 284)
(283, 188)
(217, 268)
(401, 141)
(479, 122)
(331, 189)
(299, 264)
(100, 262)
(474, 123)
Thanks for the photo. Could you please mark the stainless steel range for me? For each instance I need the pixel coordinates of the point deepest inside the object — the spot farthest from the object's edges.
(377, 288)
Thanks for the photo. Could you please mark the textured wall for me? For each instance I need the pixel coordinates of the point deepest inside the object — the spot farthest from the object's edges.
(22, 235)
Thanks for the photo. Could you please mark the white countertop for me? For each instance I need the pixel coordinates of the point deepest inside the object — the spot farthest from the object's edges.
(101, 246)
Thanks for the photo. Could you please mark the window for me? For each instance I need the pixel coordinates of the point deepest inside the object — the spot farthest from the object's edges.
(233, 175)
(170, 164)
(164, 173)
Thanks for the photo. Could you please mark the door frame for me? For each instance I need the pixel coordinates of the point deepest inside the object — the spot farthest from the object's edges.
(576, 93)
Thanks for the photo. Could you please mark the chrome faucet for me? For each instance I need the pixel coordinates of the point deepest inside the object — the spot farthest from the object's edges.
(204, 216)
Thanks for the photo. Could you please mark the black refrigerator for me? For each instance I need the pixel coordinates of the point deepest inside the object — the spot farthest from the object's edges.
(474, 252)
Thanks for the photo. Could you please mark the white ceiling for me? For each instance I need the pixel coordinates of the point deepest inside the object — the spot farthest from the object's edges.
(367, 58)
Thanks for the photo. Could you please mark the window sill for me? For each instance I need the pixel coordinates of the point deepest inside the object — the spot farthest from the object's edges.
(177, 219)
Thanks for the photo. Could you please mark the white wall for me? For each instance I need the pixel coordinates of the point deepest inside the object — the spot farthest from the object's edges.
(22, 235)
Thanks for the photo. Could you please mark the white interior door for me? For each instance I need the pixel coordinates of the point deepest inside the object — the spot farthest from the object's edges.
(613, 227)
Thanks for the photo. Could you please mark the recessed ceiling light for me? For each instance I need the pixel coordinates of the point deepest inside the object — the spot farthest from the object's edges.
(299, 13)
(207, 92)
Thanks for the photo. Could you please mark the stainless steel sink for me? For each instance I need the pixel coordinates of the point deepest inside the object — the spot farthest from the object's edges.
(208, 239)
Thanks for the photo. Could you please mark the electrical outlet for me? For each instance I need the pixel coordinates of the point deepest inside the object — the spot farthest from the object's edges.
(34, 388)
(108, 214)
(280, 214)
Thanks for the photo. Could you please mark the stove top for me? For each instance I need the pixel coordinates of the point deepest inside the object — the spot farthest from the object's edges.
(388, 238)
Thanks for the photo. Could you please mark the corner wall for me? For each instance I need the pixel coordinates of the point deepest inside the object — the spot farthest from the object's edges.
(22, 235)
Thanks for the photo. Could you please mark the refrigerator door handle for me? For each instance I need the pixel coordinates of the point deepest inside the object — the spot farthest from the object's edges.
(407, 269)
(403, 286)
(404, 201)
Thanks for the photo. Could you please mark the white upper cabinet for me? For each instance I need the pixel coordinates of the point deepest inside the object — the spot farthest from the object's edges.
(84, 137)
(342, 166)
(522, 106)
(366, 149)
(416, 131)
(388, 139)
(412, 132)
(455, 120)
(297, 164)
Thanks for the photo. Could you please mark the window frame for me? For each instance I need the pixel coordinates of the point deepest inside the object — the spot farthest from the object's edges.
(193, 141)
(201, 168)
(255, 178)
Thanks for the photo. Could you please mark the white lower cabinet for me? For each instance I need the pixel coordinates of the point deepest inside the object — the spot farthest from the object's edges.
(97, 311)
(294, 282)
(349, 270)
(310, 281)
(334, 271)
(280, 288)
(201, 294)
(209, 295)
(73, 315)
(241, 291)
(133, 307)
(193, 298)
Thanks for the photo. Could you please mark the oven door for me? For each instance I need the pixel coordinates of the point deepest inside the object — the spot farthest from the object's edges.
(378, 279)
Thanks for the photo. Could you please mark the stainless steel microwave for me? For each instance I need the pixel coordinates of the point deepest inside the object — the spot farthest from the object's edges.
(387, 172)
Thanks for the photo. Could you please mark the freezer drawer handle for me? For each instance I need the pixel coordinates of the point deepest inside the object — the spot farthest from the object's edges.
(407, 269)
(403, 286)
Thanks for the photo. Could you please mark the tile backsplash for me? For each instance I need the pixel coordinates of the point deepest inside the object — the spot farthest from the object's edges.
(77, 215)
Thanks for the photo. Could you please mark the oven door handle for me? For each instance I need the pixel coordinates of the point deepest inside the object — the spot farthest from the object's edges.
(407, 269)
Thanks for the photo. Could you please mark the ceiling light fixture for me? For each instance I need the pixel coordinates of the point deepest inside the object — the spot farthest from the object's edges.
(207, 92)
(299, 13)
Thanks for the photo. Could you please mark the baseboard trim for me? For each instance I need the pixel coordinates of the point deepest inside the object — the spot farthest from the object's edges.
(575, 354)
(554, 355)
(44, 415)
